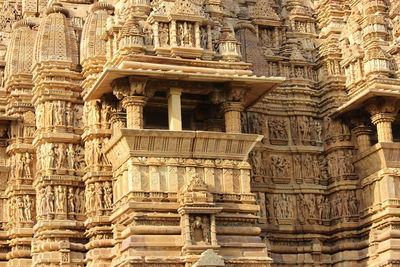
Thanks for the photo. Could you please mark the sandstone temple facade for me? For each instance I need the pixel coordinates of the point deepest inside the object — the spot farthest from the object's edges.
(179, 133)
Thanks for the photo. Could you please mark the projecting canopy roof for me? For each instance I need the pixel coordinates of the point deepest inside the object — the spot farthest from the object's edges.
(238, 76)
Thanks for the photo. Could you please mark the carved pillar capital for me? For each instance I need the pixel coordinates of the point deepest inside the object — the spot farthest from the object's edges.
(383, 112)
(233, 106)
(131, 86)
(382, 105)
(382, 118)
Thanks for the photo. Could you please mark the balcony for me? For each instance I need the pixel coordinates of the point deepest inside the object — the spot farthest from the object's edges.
(379, 156)
(178, 144)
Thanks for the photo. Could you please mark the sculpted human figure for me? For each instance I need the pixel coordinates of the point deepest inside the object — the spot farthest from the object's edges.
(99, 197)
(279, 166)
(97, 153)
(179, 34)
(58, 203)
(276, 206)
(90, 198)
(49, 199)
(326, 209)
(27, 164)
(27, 208)
(78, 116)
(61, 155)
(200, 229)
(79, 158)
(148, 36)
(353, 204)
(303, 211)
(49, 114)
(163, 34)
(107, 195)
(71, 200)
(304, 129)
(81, 198)
(89, 153)
(69, 114)
(20, 209)
(50, 155)
(39, 116)
(59, 112)
(96, 112)
(297, 166)
(344, 203)
(71, 156)
(19, 165)
(203, 37)
(43, 201)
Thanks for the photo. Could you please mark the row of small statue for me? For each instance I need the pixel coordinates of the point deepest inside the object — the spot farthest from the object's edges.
(94, 154)
(60, 156)
(96, 113)
(311, 208)
(60, 199)
(20, 165)
(58, 113)
(99, 197)
(185, 35)
(305, 165)
(304, 130)
(20, 209)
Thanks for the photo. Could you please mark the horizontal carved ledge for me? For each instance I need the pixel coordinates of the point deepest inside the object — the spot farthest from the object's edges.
(183, 144)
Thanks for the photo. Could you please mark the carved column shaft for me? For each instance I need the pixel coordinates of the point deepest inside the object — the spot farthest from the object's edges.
(174, 109)
(134, 111)
(232, 117)
(363, 135)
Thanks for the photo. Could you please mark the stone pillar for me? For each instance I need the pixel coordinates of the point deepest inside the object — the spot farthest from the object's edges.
(134, 111)
(117, 121)
(383, 112)
(383, 122)
(233, 122)
(363, 136)
(174, 109)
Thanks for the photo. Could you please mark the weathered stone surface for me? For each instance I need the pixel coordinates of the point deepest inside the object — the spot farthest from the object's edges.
(209, 258)
(199, 133)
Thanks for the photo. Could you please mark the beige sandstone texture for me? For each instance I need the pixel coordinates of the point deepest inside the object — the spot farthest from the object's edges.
(180, 133)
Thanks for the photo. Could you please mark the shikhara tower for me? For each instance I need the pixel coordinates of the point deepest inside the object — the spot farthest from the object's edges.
(199, 133)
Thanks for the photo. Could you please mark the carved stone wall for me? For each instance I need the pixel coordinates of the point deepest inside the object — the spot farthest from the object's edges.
(163, 133)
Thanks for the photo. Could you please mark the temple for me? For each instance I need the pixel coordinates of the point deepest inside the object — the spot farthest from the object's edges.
(199, 133)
